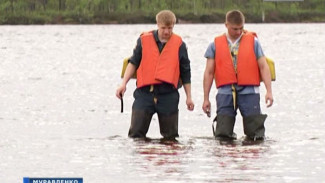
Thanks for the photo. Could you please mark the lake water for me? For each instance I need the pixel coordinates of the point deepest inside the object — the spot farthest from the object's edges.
(59, 115)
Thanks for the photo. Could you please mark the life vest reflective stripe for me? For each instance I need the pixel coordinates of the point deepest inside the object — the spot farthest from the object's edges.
(247, 66)
(156, 67)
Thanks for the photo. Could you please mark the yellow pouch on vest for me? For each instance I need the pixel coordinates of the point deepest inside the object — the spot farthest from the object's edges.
(125, 64)
(270, 62)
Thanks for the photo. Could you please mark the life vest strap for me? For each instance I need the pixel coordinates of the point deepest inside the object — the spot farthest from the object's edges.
(234, 96)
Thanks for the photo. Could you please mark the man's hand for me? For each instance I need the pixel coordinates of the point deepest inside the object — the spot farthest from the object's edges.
(120, 91)
(190, 104)
(206, 107)
(269, 99)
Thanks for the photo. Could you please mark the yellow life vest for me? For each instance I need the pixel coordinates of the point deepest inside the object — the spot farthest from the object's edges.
(270, 62)
(125, 64)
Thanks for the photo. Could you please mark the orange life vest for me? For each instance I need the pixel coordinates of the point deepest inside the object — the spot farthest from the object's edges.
(247, 66)
(156, 67)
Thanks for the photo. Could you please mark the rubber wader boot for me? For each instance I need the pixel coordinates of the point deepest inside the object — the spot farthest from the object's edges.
(140, 122)
(254, 126)
(225, 127)
(168, 125)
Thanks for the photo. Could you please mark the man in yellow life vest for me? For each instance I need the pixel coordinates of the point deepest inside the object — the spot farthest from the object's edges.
(160, 60)
(236, 61)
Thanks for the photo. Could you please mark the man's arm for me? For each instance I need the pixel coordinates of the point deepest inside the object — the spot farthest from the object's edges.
(185, 75)
(130, 70)
(207, 83)
(266, 77)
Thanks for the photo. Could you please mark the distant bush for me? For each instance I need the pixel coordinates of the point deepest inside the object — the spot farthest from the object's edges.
(213, 18)
(17, 18)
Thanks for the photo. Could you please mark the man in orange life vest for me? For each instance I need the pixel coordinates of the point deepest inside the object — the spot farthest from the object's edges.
(236, 61)
(160, 60)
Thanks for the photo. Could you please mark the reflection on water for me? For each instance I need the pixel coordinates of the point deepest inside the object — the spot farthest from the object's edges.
(199, 159)
(59, 115)
(160, 153)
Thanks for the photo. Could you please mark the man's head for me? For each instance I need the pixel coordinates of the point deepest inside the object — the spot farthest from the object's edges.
(165, 21)
(235, 23)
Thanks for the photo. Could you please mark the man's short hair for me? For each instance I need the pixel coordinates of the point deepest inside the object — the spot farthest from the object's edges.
(166, 17)
(235, 17)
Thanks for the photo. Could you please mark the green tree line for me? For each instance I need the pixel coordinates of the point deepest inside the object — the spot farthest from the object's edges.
(143, 11)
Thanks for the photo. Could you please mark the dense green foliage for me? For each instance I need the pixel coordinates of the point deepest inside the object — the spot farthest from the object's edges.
(143, 11)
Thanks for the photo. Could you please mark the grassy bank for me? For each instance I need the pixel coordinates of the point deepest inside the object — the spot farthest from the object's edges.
(143, 11)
